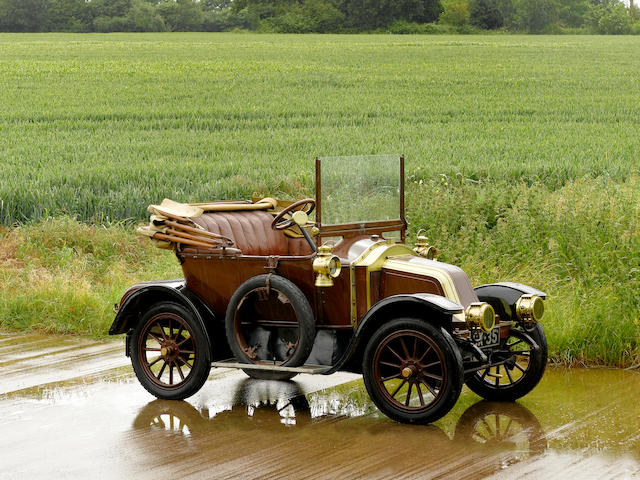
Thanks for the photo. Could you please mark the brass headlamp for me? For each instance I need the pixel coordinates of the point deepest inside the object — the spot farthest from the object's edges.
(326, 266)
(529, 309)
(481, 315)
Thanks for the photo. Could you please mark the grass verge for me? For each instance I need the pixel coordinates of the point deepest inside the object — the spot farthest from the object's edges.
(62, 276)
(580, 243)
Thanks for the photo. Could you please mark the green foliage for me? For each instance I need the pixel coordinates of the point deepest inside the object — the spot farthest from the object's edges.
(572, 13)
(456, 13)
(226, 19)
(334, 15)
(298, 16)
(143, 17)
(535, 16)
(634, 11)
(310, 16)
(371, 14)
(485, 14)
(580, 243)
(23, 15)
(109, 8)
(609, 17)
(615, 21)
(402, 27)
(181, 15)
(68, 16)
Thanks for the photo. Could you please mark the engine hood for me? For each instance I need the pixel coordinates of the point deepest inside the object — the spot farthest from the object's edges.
(404, 271)
(454, 282)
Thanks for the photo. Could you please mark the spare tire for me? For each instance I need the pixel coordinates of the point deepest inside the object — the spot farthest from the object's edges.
(270, 321)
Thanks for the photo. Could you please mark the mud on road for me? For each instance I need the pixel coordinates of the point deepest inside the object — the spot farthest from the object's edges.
(74, 409)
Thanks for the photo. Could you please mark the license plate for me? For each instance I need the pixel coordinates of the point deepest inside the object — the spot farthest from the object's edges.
(482, 339)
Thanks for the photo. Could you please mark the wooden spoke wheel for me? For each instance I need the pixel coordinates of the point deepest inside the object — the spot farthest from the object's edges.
(521, 371)
(169, 352)
(412, 371)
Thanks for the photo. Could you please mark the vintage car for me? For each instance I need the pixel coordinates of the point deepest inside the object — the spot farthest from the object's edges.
(271, 292)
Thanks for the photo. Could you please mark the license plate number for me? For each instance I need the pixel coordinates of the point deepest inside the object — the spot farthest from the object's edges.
(489, 339)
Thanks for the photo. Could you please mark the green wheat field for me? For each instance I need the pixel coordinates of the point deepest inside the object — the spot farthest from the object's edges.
(522, 159)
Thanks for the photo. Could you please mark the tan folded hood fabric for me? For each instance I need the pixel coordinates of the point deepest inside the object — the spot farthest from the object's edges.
(173, 209)
(172, 224)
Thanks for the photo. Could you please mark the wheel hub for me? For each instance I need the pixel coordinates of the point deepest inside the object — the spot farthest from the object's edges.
(169, 350)
(409, 371)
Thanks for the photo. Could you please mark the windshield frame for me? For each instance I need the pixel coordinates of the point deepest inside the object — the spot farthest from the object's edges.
(364, 227)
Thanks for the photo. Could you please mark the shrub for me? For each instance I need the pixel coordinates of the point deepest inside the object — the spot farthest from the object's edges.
(616, 21)
(109, 24)
(181, 15)
(310, 16)
(485, 14)
(456, 13)
(225, 20)
(142, 17)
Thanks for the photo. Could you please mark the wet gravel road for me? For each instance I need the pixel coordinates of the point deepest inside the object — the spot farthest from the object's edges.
(74, 409)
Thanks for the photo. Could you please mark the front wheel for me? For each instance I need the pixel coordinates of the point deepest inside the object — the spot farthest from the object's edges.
(412, 371)
(169, 352)
(521, 371)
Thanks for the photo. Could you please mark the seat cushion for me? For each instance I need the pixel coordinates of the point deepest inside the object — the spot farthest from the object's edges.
(252, 233)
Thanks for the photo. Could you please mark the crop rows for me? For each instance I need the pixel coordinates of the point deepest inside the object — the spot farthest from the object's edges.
(98, 126)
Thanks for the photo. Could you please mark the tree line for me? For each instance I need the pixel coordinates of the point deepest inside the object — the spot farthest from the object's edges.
(302, 16)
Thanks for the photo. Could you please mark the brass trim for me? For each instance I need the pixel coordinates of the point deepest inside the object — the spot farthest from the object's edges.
(388, 254)
(443, 277)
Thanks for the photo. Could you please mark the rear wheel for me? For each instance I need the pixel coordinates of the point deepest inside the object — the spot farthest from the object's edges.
(169, 352)
(521, 371)
(269, 322)
(412, 371)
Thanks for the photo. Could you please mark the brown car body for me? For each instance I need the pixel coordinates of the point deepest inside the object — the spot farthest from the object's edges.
(381, 283)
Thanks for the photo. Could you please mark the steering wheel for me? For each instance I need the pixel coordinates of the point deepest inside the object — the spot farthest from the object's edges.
(280, 223)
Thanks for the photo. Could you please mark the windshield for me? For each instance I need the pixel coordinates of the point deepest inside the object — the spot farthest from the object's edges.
(359, 189)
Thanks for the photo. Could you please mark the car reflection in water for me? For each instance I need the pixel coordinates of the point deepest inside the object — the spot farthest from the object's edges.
(271, 427)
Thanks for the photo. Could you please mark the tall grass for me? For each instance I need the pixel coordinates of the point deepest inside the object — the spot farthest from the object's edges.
(580, 244)
(62, 276)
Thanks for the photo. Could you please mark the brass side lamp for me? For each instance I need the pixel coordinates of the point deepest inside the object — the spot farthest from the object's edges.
(326, 266)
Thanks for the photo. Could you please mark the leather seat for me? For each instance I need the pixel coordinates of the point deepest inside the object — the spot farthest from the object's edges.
(252, 233)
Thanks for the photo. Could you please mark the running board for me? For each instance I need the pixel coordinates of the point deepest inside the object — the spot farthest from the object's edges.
(232, 363)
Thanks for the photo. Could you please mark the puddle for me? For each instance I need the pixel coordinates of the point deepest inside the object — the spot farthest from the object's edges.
(82, 412)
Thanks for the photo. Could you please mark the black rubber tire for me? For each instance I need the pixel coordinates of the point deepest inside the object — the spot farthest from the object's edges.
(523, 384)
(449, 364)
(303, 312)
(198, 340)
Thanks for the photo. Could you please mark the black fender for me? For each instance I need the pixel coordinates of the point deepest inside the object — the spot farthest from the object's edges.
(503, 296)
(140, 297)
(429, 307)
